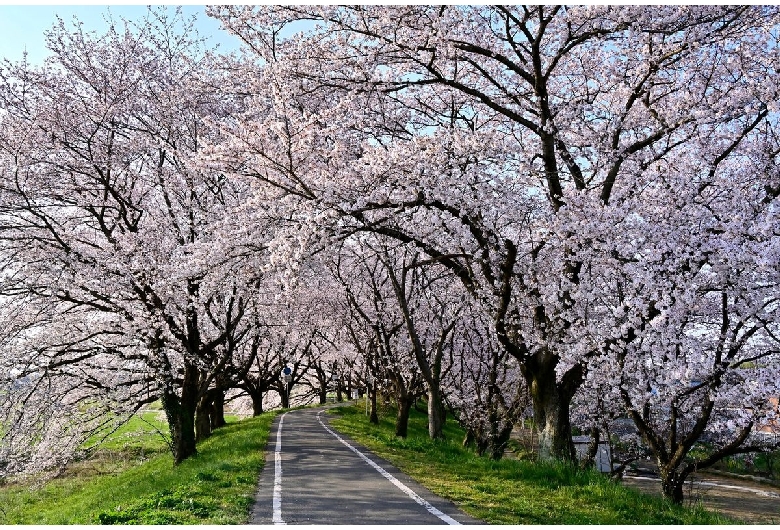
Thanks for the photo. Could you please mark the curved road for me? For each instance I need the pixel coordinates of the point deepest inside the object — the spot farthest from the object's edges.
(314, 475)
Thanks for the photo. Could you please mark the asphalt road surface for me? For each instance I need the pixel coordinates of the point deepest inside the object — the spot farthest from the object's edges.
(314, 475)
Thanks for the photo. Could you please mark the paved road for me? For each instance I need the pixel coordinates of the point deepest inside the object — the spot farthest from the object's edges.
(314, 475)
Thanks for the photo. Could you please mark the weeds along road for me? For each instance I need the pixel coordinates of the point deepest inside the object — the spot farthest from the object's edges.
(314, 475)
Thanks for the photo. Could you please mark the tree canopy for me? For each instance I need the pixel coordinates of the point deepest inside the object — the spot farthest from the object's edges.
(511, 210)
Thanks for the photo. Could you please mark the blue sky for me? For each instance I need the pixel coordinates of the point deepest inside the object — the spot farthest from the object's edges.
(22, 27)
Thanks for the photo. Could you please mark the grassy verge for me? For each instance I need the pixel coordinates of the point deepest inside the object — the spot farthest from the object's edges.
(132, 480)
(510, 491)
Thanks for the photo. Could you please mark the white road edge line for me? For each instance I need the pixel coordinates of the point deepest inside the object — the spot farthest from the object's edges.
(397, 483)
(277, 517)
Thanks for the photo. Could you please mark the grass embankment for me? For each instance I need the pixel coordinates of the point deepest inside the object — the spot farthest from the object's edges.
(510, 491)
(131, 480)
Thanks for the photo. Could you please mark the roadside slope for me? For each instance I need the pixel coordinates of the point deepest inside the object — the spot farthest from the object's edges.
(214, 487)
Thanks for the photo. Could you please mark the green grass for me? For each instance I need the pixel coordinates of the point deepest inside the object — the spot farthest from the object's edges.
(131, 480)
(510, 491)
(140, 435)
(761, 464)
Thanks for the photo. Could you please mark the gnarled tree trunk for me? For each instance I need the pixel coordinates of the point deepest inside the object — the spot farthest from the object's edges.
(180, 412)
(551, 400)
(672, 482)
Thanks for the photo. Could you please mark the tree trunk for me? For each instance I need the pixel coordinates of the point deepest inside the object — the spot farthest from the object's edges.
(180, 412)
(498, 441)
(324, 393)
(551, 401)
(210, 414)
(469, 440)
(374, 417)
(435, 412)
(482, 444)
(203, 419)
(593, 450)
(339, 394)
(672, 483)
(551, 412)
(257, 403)
(402, 418)
(218, 410)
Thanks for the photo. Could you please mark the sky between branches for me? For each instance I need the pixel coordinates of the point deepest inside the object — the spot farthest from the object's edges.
(22, 27)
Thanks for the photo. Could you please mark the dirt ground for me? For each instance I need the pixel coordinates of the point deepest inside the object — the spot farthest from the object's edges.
(745, 500)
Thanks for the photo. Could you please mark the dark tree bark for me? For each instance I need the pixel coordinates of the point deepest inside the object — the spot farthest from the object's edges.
(203, 419)
(672, 483)
(402, 417)
(257, 403)
(499, 439)
(218, 410)
(470, 439)
(210, 413)
(180, 412)
(373, 417)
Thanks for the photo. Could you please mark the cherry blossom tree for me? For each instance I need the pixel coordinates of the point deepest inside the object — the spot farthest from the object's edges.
(258, 367)
(596, 185)
(107, 224)
(63, 380)
(485, 387)
(364, 337)
(685, 308)
(430, 306)
(378, 328)
(473, 132)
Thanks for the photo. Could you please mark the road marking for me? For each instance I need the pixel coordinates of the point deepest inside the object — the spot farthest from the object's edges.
(278, 474)
(397, 483)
